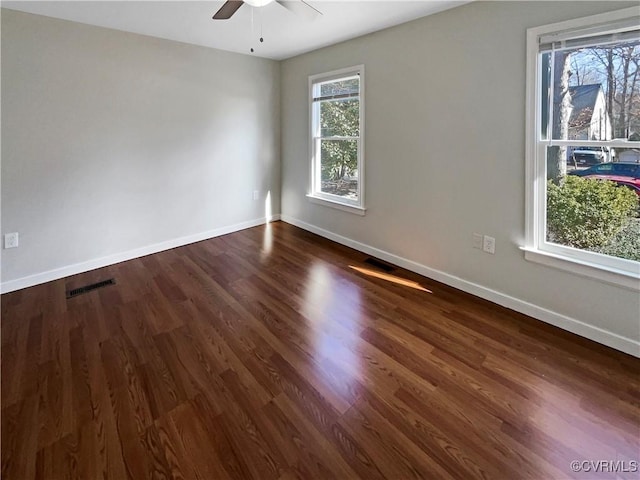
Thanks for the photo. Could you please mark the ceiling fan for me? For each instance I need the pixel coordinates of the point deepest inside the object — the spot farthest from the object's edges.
(296, 6)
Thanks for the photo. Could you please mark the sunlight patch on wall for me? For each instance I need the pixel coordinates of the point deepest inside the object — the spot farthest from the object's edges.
(268, 210)
(267, 237)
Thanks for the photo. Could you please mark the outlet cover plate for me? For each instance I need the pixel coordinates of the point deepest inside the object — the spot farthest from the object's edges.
(477, 241)
(11, 240)
(489, 244)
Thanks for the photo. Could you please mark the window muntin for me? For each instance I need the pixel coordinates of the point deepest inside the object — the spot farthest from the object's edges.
(583, 114)
(336, 136)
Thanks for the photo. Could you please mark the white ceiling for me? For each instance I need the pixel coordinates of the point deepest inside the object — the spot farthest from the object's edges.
(285, 34)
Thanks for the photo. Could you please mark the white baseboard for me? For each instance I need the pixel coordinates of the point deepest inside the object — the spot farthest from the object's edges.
(48, 276)
(610, 339)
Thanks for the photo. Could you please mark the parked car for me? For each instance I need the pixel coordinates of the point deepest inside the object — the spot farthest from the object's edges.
(632, 183)
(585, 156)
(624, 174)
(619, 169)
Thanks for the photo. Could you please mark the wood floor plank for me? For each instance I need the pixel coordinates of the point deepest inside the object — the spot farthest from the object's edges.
(314, 439)
(380, 439)
(298, 450)
(107, 455)
(16, 373)
(271, 353)
(20, 430)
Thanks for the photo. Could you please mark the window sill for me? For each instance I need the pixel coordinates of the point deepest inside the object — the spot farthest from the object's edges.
(612, 276)
(340, 206)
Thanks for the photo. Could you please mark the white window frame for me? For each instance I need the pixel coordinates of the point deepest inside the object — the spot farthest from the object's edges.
(605, 268)
(315, 195)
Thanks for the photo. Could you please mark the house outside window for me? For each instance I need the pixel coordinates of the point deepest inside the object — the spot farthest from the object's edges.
(589, 118)
(583, 120)
(337, 139)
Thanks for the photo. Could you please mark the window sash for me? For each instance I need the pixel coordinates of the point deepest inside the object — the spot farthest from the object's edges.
(317, 87)
(329, 137)
(626, 29)
(614, 270)
(315, 84)
(546, 110)
(342, 96)
(616, 143)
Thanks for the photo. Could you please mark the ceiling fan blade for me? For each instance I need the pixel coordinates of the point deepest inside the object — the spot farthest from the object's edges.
(300, 7)
(228, 9)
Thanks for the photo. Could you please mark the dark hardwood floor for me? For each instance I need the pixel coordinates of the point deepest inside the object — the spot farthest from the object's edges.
(272, 353)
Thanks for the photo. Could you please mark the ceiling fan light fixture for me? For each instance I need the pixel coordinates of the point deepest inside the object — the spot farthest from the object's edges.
(258, 3)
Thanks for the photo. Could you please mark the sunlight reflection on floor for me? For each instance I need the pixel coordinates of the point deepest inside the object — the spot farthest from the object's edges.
(267, 239)
(267, 242)
(334, 310)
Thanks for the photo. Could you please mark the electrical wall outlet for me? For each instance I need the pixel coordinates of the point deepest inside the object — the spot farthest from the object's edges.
(489, 244)
(256, 194)
(11, 240)
(477, 241)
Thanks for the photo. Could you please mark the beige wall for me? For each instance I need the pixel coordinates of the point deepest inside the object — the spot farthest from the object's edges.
(445, 142)
(116, 144)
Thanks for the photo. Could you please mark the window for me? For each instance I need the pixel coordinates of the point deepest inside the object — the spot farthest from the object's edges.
(583, 127)
(337, 133)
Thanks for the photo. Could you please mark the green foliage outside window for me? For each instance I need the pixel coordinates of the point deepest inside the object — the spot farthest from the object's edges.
(626, 243)
(588, 213)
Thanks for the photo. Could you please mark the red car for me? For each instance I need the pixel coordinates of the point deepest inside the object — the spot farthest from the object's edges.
(630, 182)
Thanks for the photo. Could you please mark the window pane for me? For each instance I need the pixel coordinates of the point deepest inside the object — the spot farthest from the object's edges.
(594, 92)
(340, 87)
(596, 209)
(340, 118)
(585, 156)
(339, 167)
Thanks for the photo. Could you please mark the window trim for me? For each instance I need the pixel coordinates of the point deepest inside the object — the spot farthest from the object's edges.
(326, 199)
(611, 270)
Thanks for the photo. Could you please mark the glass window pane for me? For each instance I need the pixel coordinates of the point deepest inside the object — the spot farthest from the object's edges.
(339, 167)
(586, 156)
(340, 87)
(592, 92)
(595, 209)
(340, 118)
